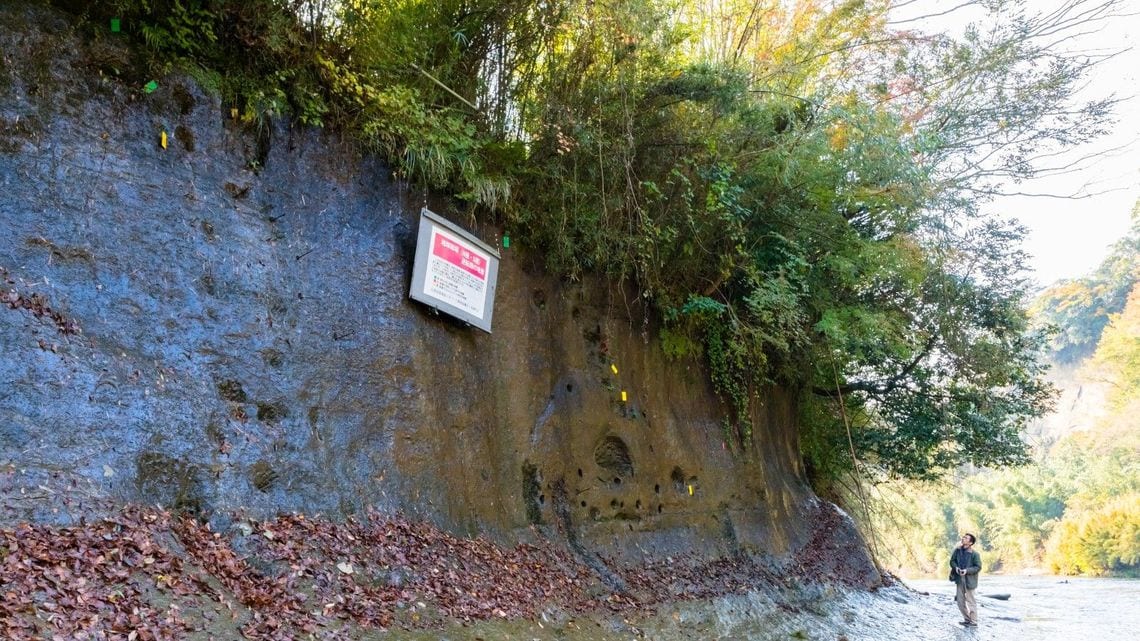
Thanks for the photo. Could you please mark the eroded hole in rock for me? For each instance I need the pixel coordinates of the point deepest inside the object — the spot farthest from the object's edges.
(614, 503)
(678, 479)
(231, 391)
(612, 454)
(236, 191)
(594, 335)
(261, 153)
(531, 484)
(262, 475)
(657, 488)
(185, 136)
(169, 482)
(569, 387)
(579, 472)
(583, 504)
(728, 531)
(184, 99)
(272, 357)
(659, 508)
(209, 285)
(637, 504)
(560, 509)
(271, 412)
(215, 433)
(595, 513)
(539, 298)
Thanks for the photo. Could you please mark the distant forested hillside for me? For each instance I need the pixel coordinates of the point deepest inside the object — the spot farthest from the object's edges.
(1076, 508)
(1080, 309)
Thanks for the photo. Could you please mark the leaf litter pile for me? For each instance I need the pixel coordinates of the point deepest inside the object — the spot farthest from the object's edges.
(148, 574)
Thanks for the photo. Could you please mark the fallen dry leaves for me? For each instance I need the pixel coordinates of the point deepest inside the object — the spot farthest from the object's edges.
(37, 305)
(148, 575)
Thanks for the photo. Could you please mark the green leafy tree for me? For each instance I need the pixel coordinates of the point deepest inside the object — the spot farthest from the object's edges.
(1118, 353)
(1070, 512)
(1101, 541)
(1080, 308)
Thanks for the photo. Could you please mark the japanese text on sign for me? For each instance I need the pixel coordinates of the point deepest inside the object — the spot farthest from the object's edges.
(456, 273)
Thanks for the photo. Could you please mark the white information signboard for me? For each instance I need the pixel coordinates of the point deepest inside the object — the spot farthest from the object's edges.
(454, 271)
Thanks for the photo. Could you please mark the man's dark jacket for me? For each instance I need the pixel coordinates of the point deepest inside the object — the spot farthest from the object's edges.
(968, 560)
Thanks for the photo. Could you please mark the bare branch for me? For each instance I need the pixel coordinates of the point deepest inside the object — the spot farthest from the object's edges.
(929, 15)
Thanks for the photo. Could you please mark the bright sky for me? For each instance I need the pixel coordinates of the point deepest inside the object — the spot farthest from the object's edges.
(1069, 237)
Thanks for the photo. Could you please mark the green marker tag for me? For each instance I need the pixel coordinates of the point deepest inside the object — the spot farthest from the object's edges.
(506, 241)
(150, 86)
(114, 25)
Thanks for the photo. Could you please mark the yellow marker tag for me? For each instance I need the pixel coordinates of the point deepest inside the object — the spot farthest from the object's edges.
(162, 140)
(623, 397)
(233, 113)
(690, 490)
(614, 368)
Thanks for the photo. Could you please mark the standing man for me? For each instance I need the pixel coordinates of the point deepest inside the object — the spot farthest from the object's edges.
(965, 563)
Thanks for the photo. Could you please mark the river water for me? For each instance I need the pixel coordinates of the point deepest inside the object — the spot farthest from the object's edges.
(1038, 609)
(1043, 608)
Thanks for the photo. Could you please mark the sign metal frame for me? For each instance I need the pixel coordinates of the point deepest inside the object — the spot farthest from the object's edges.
(454, 272)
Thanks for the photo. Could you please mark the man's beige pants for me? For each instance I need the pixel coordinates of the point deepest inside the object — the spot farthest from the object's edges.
(966, 602)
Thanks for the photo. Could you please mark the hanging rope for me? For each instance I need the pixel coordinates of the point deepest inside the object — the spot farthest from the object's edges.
(855, 460)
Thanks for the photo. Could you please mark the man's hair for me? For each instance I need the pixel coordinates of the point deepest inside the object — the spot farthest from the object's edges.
(973, 539)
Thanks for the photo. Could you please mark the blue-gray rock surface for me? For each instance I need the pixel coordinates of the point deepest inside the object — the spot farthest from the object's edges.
(222, 326)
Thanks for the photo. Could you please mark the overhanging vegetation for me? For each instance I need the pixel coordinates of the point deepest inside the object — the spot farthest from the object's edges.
(794, 188)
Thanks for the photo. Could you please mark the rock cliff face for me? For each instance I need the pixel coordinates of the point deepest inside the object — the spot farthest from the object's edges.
(223, 325)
